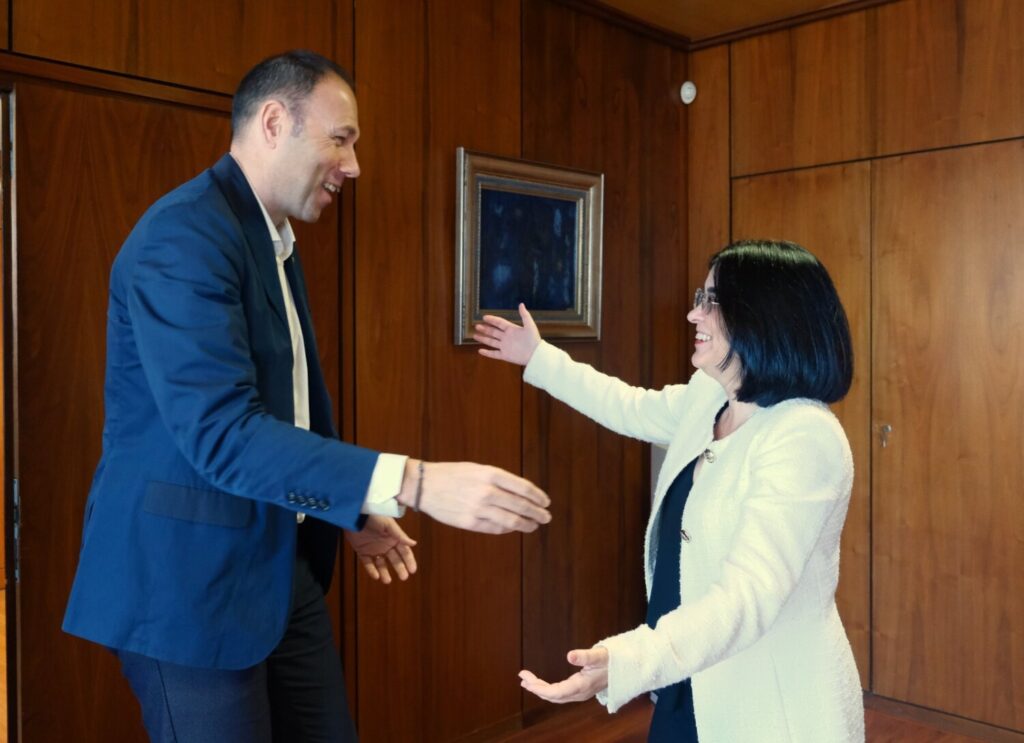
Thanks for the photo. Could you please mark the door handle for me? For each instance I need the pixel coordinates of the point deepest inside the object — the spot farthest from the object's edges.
(884, 431)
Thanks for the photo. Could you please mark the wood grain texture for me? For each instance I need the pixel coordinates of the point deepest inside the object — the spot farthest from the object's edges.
(14, 68)
(949, 72)
(449, 642)
(663, 214)
(617, 115)
(887, 720)
(948, 528)
(590, 722)
(94, 33)
(394, 647)
(700, 19)
(880, 728)
(709, 201)
(800, 97)
(214, 41)
(827, 210)
(105, 146)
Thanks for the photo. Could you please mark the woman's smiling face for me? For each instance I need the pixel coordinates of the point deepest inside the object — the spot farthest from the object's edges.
(712, 345)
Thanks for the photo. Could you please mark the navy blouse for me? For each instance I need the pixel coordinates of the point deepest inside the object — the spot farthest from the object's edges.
(673, 719)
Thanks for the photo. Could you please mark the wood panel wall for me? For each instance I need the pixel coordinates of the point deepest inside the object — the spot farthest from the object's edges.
(443, 75)
(113, 82)
(947, 72)
(949, 527)
(708, 140)
(858, 94)
(204, 44)
(618, 114)
(902, 77)
(800, 96)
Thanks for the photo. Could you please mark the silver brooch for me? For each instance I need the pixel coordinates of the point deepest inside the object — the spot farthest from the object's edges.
(709, 456)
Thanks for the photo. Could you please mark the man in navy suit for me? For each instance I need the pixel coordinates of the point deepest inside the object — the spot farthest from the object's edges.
(211, 526)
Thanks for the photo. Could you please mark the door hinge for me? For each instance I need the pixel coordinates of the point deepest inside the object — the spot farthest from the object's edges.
(16, 531)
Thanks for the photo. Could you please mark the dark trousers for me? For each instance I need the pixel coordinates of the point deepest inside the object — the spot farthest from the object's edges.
(297, 695)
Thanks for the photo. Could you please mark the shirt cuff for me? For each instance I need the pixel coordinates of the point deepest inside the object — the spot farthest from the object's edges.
(385, 485)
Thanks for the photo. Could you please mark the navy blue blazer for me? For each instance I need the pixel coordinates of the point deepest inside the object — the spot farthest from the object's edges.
(190, 531)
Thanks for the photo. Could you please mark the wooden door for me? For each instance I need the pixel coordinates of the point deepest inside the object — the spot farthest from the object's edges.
(87, 167)
(948, 521)
(827, 211)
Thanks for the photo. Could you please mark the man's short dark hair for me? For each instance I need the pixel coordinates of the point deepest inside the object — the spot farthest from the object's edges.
(290, 76)
(785, 322)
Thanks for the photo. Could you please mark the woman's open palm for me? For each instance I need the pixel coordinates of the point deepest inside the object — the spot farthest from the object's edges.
(507, 341)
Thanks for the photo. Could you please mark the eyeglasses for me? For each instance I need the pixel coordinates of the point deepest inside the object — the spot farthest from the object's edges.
(704, 300)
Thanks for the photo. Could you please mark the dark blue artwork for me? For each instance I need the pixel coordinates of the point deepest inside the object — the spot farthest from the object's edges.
(527, 251)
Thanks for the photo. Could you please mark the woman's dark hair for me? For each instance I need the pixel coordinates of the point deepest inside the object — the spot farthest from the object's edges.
(291, 76)
(785, 322)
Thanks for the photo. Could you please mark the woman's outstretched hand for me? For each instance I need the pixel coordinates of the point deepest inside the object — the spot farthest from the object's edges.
(507, 341)
(585, 683)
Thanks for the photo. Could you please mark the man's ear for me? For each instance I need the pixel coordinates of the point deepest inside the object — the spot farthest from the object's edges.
(273, 121)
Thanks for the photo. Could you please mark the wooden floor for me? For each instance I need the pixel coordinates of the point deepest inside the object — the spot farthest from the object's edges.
(589, 722)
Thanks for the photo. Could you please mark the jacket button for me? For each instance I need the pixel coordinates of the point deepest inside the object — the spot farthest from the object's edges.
(291, 497)
(325, 505)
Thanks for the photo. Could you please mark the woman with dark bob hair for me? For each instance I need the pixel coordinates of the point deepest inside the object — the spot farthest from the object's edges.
(742, 641)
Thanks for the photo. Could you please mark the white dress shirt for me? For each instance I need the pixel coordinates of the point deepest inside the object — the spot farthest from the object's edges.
(386, 481)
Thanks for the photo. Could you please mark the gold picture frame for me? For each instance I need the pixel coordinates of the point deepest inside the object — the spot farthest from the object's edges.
(527, 232)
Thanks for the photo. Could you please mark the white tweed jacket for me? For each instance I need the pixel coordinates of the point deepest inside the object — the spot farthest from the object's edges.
(757, 629)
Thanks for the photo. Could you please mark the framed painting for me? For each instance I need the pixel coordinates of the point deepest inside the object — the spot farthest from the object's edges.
(531, 233)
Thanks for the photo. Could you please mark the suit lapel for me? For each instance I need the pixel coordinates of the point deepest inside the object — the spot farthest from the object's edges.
(243, 203)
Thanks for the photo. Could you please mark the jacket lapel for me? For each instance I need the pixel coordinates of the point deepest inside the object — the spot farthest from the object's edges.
(243, 203)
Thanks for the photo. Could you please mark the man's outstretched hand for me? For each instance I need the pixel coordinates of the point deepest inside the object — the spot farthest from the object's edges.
(476, 497)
